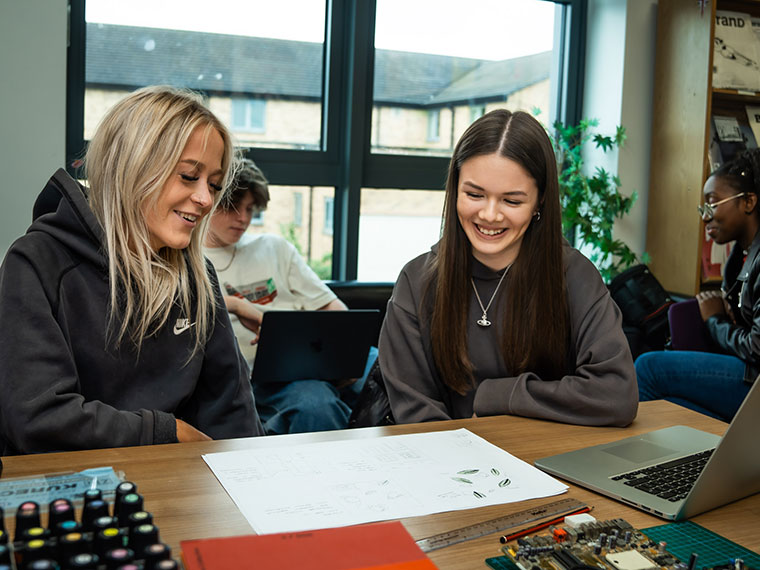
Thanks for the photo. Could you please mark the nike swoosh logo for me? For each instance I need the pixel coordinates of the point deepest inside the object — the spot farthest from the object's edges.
(181, 327)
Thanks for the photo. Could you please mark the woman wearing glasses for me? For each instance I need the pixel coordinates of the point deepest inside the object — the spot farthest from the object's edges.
(716, 383)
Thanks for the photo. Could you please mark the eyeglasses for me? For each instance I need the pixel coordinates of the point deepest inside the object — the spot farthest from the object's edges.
(708, 209)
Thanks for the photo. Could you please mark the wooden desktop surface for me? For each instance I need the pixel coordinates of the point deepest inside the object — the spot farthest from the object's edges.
(188, 502)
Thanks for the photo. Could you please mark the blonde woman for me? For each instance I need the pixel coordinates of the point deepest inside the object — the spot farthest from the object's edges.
(114, 329)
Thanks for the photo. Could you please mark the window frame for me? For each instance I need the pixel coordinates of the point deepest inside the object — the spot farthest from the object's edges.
(255, 111)
(345, 160)
(434, 125)
(257, 219)
(297, 209)
(328, 222)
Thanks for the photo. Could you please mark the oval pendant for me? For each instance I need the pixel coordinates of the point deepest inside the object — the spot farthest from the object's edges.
(484, 322)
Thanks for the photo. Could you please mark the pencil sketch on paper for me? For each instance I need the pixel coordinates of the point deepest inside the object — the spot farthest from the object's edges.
(298, 487)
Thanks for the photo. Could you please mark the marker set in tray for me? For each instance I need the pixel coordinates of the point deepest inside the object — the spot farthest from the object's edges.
(124, 538)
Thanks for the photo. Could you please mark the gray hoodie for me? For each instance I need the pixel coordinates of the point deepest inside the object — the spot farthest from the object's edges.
(63, 386)
(600, 389)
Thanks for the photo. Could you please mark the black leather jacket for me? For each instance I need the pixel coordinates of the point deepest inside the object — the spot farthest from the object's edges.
(741, 286)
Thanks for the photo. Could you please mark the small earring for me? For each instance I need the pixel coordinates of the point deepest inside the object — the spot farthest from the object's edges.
(537, 215)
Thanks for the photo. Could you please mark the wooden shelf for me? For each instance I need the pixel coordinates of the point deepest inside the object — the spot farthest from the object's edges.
(735, 96)
(684, 104)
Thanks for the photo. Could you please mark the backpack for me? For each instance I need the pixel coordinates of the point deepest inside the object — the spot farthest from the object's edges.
(372, 408)
(644, 304)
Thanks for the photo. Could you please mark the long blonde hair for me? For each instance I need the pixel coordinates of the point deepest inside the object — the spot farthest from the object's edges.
(129, 159)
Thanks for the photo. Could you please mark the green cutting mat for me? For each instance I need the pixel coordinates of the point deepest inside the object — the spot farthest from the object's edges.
(685, 538)
(501, 563)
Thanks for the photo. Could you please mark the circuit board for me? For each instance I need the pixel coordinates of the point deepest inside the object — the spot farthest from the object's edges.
(616, 545)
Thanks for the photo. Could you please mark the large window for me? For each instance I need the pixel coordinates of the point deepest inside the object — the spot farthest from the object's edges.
(303, 216)
(396, 226)
(339, 102)
(479, 54)
(262, 74)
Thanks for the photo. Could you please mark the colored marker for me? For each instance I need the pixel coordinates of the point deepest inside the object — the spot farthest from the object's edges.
(155, 553)
(126, 505)
(93, 510)
(84, 561)
(138, 518)
(59, 510)
(66, 527)
(27, 516)
(118, 557)
(143, 536)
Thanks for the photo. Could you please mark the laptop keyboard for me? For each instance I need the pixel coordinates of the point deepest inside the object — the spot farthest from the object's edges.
(672, 480)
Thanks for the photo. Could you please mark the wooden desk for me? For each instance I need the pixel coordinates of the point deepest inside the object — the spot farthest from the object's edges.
(188, 502)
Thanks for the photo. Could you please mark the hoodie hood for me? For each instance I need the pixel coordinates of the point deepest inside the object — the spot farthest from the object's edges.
(62, 212)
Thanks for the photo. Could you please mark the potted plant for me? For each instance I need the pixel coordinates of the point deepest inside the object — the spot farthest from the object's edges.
(592, 202)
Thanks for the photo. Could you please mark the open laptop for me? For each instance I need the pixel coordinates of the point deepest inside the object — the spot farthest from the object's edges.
(323, 345)
(639, 470)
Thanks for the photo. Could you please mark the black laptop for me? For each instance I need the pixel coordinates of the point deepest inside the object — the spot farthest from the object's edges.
(323, 345)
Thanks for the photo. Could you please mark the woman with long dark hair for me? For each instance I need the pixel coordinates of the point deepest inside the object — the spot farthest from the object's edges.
(715, 383)
(502, 316)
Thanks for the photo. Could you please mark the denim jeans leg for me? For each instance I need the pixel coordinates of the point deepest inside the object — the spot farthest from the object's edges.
(711, 384)
(301, 406)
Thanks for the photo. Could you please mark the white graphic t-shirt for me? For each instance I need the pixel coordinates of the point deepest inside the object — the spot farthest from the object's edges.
(269, 271)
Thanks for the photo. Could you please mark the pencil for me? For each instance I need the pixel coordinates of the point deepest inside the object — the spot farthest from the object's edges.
(517, 534)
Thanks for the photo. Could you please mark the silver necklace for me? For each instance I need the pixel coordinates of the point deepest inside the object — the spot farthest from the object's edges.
(483, 320)
(234, 251)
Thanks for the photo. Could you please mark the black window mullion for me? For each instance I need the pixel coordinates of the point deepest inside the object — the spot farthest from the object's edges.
(405, 172)
(359, 21)
(573, 50)
(75, 84)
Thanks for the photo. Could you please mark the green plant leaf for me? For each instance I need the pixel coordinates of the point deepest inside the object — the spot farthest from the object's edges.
(605, 143)
(591, 203)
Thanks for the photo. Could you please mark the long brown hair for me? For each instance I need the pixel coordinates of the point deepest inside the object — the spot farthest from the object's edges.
(535, 319)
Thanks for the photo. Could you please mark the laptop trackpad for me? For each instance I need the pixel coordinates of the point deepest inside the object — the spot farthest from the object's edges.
(639, 451)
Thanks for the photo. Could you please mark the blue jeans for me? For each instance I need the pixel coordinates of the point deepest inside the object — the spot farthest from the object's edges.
(712, 384)
(308, 405)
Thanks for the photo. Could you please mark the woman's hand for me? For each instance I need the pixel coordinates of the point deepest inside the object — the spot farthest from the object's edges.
(186, 432)
(247, 313)
(711, 303)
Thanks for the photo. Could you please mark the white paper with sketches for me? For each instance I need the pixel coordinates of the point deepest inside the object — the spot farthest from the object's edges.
(337, 483)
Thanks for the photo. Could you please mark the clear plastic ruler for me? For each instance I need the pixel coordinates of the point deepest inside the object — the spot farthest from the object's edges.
(512, 520)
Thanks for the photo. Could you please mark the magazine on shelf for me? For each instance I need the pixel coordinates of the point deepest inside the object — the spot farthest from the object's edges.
(727, 128)
(736, 61)
(753, 116)
(713, 149)
(728, 137)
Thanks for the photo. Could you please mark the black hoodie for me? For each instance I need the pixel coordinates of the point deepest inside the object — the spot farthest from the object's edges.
(64, 386)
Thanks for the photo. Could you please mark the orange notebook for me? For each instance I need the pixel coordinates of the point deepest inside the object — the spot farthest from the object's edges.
(377, 546)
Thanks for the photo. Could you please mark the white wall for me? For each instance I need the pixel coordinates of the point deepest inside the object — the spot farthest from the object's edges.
(619, 85)
(32, 106)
